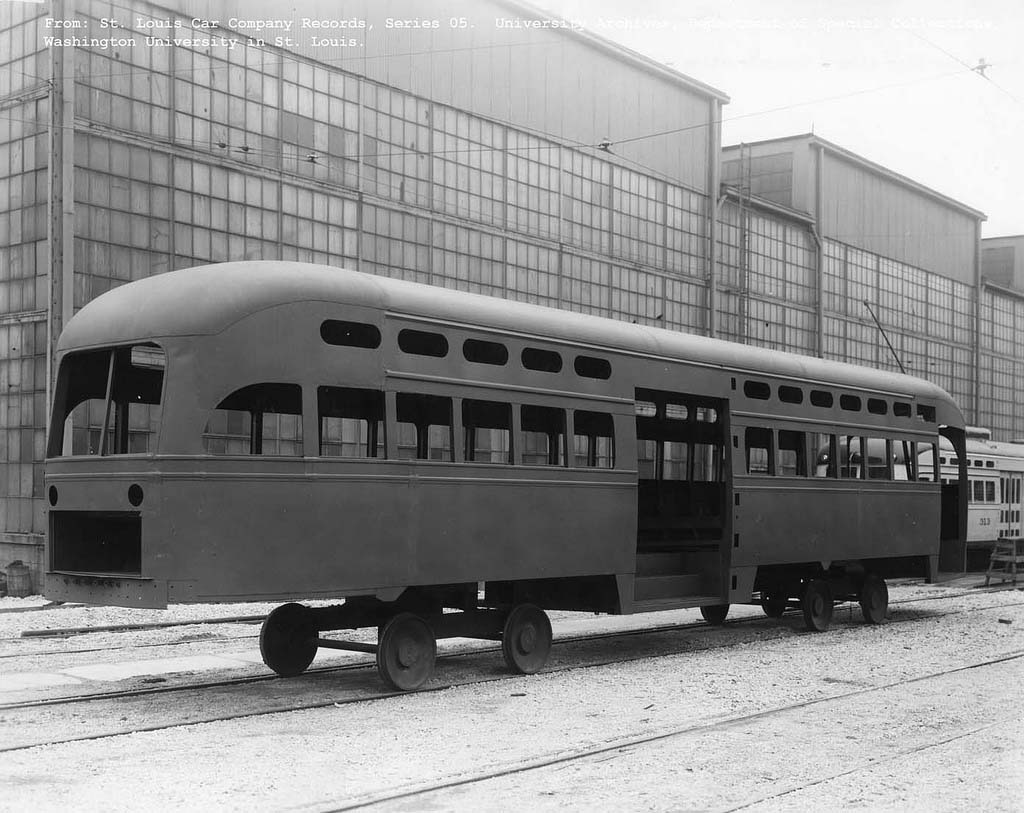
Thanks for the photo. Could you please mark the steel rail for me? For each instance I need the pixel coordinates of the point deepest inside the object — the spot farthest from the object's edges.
(369, 800)
(379, 695)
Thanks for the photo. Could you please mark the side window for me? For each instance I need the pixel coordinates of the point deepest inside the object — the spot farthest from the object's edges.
(351, 422)
(593, 439)
(880, 458)
(647, 459)
(488, 429)
(990, 491)
(758, 445)
(904, 460)
(791, 458)
(675, 461)
(850, 458)
(826, 459)
(261, 419)
(928, 463)
(543, 435)
(708, 463)
(424, 426)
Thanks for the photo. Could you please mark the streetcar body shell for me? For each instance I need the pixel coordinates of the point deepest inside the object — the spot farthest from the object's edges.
(177, 523)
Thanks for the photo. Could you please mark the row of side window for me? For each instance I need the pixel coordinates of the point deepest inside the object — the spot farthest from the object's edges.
(479, 351)
(784, 452)
(266, 419)
(791, 394)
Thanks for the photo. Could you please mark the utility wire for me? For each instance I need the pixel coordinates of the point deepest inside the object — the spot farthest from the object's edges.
(979, 69)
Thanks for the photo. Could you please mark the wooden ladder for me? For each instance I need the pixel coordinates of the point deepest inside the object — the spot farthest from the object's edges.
(1006, 556)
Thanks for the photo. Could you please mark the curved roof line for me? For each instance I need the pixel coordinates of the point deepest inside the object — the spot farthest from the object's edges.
(206, 300)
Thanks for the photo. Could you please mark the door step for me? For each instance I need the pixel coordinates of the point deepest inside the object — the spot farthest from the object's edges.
(674, 586)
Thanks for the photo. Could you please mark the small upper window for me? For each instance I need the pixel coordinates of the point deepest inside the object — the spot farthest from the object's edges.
(791, 395)
(422, 343)
(545, 361)
(901, 409)
(676, 412)
(757, 389)
(646, 409)
(484, 352)
(821, 398)
(706, 415)
(926, 413)
(350, 334)
(591, 367)
(851, 403)
(876, 406)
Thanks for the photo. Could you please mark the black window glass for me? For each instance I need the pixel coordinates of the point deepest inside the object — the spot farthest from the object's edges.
(350, 334)
(545, 361)
(422, 343)
(590, 367)
(484, 352)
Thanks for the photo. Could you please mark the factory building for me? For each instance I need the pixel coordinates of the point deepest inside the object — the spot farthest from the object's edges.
(484, 153)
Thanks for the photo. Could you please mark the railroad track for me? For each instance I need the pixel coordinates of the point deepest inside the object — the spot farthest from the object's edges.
(366, 686)
(420, 791)
(69, 632)
(476, 649)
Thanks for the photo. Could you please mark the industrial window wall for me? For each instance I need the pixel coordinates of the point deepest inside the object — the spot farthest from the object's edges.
(767, 289)
(24, 163)
(183, 157)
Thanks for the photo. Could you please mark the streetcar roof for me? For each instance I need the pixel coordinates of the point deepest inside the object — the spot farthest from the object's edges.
(205, 300)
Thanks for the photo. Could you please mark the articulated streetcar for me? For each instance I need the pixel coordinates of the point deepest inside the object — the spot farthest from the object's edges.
(455, 465)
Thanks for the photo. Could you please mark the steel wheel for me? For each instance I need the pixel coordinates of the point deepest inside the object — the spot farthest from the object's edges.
(874, 599)
(288, 639)
(526, 639)
(774, 603)
(715, 613)
(406, 650)
(817, 605)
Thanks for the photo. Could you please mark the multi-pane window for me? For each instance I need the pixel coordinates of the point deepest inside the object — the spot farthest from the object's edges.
(424, 426)
(351, 422)
(488, 431)
(260, 419)
(543, 431)
(593, 439)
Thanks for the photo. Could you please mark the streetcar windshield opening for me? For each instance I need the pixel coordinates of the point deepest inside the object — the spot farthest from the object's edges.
(107, 402)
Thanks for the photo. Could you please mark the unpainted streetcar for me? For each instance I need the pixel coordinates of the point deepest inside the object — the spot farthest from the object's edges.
(455, 465)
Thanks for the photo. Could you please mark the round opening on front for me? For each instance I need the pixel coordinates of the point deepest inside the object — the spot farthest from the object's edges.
(52, 495)
(135, 494)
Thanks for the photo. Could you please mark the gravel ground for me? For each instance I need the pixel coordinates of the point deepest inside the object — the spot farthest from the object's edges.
(697, 730)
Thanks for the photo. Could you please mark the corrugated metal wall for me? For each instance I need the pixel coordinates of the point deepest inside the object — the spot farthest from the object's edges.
(882, 216)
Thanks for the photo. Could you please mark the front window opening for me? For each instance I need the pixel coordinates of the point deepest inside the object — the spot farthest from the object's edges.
(263, 419)
(108, 402)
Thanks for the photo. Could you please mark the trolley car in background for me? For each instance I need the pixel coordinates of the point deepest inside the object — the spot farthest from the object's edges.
(455, 465)
(994, 495)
